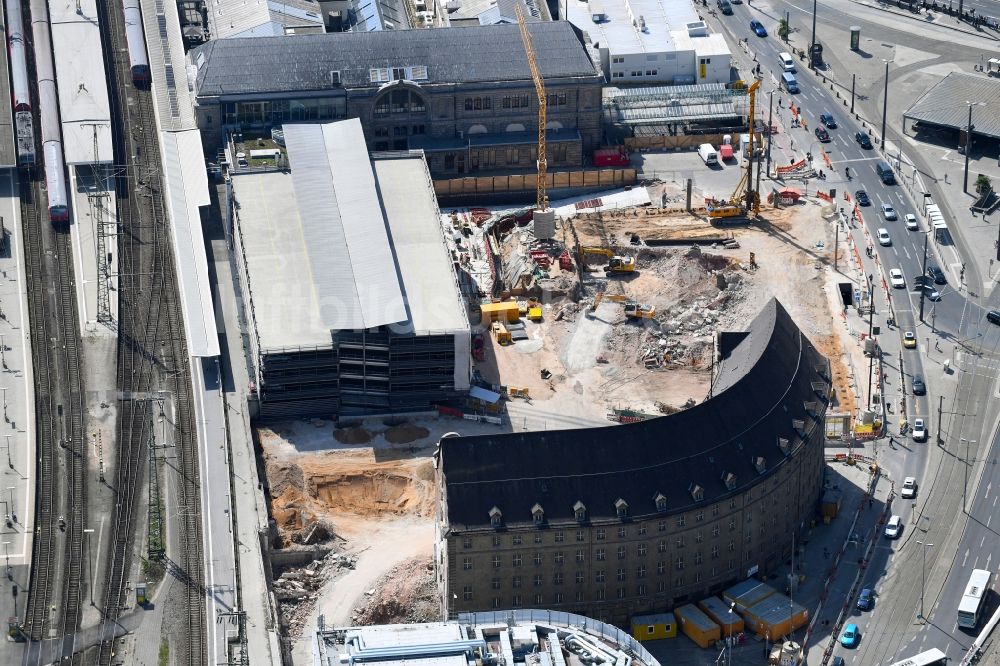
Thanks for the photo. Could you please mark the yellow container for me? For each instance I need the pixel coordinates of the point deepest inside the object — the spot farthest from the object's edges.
(654, 627)
(505, 311)
(697, 626)
(535, 314)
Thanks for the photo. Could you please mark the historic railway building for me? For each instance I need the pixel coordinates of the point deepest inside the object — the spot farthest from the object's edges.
(614, 522)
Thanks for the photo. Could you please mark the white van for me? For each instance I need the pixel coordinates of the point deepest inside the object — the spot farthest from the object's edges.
(786, 61)
(709, 154)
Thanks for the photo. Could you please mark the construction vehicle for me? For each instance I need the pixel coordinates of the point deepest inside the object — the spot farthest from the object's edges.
(745, 197)
(616, 263)
(633, 309)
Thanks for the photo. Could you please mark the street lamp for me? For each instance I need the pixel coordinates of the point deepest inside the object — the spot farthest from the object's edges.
(729, 644)
(885, 101)
(812, 43)
(965, 484)
(968, 145)
(923, 575)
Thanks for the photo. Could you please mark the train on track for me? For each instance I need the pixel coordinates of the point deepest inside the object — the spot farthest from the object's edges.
(21, 91)
(48, 113)
(137, 57)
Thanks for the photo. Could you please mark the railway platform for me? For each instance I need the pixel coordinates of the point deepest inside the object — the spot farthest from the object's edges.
(17, 431)
(95, 259)
(8, 156)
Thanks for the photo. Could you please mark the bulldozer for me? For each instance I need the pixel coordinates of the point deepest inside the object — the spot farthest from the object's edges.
(616, 263)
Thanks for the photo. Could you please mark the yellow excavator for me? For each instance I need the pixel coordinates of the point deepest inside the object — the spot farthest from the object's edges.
(616, 263)
(745, 198)
(633, 310)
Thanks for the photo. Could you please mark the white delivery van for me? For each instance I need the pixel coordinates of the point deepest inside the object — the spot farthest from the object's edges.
(786, 61)
(708, 154)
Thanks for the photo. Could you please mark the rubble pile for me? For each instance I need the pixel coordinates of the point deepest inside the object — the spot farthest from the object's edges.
(297, 589)
(406, 594)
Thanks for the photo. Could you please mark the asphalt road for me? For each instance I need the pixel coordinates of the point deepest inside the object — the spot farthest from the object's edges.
(892, 631)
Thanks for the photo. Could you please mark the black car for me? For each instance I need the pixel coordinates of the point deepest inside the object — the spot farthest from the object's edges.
(937, 274)
(862, 198)
(993, 317)
(863, 140)
(828, 120)
(919, 388)
(822, 135)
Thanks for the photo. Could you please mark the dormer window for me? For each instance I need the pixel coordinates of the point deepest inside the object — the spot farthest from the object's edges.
(496, 517)
(580, 512)
(761, 464)
(621, 508)
(537, 514)
(783, 445)
(697, 492)
(661, 502)
(729, 479)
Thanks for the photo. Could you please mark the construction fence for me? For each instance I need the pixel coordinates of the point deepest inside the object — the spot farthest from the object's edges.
(653, 142)
(517, 183)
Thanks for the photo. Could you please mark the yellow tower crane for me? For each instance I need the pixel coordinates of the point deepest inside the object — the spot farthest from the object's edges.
(529, 50)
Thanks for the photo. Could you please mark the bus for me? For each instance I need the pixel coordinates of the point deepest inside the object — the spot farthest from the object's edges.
(932, 657)
(972, 600)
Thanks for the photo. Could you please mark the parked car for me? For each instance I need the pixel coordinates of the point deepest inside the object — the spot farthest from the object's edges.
(822, 135)
(850, 636)
(884, 238)
(909, 490)
(894, 527)
(828, 120)
(919, 430)
(896, 279)
(937, 274)
(993, 317)
(725, 7)
(911, 221)
(888, 212)
(862, 198)
(758, 28)
(919, 388)
(865, 599)
(909, 339)
(863, 140)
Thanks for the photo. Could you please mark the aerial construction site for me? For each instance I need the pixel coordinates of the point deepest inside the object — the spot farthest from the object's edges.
(563, 337)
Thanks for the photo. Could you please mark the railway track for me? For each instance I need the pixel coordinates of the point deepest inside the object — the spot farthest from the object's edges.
(152, 353)
(52, 612)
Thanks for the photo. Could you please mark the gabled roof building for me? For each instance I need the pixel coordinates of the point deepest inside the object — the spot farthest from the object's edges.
(463, 95)
(643, 517)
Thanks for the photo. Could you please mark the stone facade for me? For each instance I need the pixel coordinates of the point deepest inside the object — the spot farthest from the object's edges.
(613, 570)
(463, 128)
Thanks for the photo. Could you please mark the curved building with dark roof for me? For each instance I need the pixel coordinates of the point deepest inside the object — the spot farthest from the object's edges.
(614, 522)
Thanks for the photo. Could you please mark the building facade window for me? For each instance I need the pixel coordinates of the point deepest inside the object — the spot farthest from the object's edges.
(467, 593)
(496, 561)
(538, 559)
(622, 532)
(559, 537)
(640, 550)
(621, 552)
(466, 542)
(558, 557)
(599, 576)
(515, 560)
(537, 580)
(515, 582)
(602, 534)
(467, 563)
(580, 557)
(557, 578)
(621, 574)
(599, 555)
(495, 583)
(640, 572)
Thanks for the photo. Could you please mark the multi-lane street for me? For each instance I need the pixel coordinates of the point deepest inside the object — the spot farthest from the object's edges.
(952, 328)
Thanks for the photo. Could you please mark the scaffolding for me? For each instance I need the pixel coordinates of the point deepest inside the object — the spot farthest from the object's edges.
(707, 104)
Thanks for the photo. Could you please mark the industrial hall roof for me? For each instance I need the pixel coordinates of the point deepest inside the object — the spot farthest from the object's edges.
(370, 59)
(947, 104)
(339, 244)
(664, 465)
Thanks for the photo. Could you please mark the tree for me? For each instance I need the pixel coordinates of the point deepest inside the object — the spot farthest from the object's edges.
(783, 29)
(983, 184)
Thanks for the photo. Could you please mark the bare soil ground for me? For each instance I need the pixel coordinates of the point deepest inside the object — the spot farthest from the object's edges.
(369, 488)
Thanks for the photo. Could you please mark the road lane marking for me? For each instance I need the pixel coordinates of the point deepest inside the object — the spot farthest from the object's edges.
(965, 558)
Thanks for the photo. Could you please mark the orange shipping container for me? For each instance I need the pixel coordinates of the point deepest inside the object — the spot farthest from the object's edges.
(720, 612)
(748, 593)
(697, 626)
(776, 616)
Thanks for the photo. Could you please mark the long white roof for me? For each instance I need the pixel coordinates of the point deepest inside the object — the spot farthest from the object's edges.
(186, 190)
(82, 82)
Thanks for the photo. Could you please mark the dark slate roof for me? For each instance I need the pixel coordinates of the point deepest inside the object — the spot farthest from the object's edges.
(760, 388)
(947, 104)
(452, 55)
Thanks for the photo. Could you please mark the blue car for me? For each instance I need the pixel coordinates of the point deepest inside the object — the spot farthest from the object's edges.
(758, 28)
(850, 636)
(865, 599)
